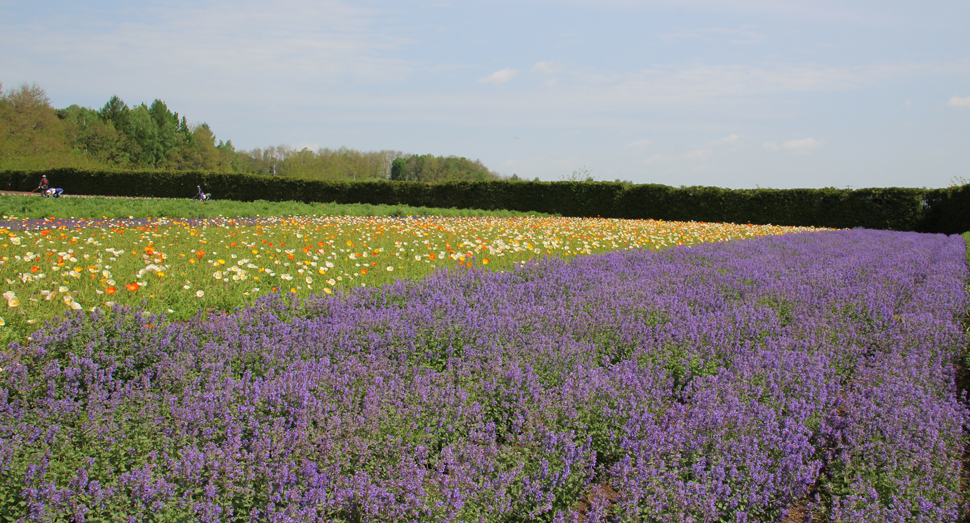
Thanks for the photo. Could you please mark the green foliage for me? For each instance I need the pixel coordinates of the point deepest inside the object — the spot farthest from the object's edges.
(428, 168)
(31, 136)
(323, 164)
(91, 136)
(905, 209)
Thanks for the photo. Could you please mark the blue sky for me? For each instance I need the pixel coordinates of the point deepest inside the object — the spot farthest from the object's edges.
(734, 93)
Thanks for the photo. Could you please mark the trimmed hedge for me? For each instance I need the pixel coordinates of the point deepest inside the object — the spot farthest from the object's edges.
(903, 209)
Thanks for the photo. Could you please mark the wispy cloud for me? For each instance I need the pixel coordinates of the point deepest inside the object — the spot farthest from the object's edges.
(730, 139)
(733, 36)
(585, 98)
(698, 154)
(235, 51)
(956, 101)
(499, 77)
(719, 81)
(803, 146)
(546, 67)
(830, 11)
(638, 145)
(429, 77)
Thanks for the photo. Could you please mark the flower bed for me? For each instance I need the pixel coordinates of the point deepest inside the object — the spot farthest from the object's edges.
(179, 266)
(721, 382)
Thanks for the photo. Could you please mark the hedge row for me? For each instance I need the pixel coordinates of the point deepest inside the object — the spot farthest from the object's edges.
(925, 210)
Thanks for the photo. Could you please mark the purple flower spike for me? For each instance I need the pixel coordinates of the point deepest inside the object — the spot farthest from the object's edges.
(721, 382)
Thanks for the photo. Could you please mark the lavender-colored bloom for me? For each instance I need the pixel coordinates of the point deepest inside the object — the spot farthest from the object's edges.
(720, 382)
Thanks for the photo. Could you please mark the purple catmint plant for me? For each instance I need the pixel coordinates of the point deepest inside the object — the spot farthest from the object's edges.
(722, 382)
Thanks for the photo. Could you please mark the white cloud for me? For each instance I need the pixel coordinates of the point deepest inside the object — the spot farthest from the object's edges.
(238, 52)
(698, 154)
(748, 37)
(956, 101)
(499, 77)
(546, 67)
(735, 36)
(801, 146)
(730, 139)
(639, 144)
(698, 84)
(908, 104)
(800, 10)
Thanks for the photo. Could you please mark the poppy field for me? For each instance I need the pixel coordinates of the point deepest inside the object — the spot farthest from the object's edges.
(177, 267)
(481, 369)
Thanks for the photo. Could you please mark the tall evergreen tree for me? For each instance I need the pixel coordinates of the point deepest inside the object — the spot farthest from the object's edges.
(116, 112)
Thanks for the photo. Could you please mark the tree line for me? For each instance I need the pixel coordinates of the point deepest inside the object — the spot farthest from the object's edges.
(35, 135)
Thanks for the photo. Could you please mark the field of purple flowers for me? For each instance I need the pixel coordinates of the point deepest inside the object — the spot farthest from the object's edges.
(721, 382)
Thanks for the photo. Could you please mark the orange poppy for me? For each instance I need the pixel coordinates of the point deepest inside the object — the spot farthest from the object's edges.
(111, 290)
(132, 287)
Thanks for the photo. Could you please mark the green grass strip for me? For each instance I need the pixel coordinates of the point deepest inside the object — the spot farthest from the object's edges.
(15, 207)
